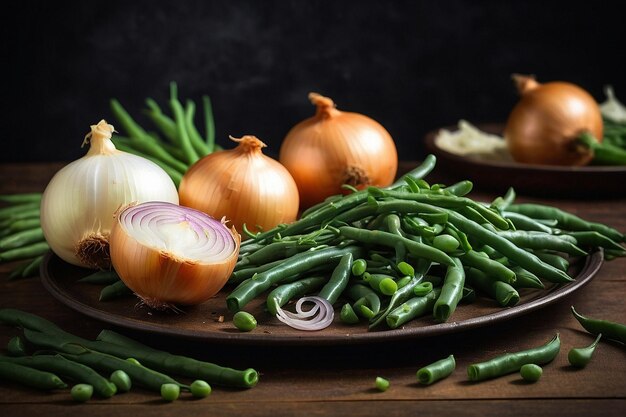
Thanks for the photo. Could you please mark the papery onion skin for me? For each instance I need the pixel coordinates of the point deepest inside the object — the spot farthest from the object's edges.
(242, 184)
(543, 126)
(163, 279)
(79, 202)
(334, 148)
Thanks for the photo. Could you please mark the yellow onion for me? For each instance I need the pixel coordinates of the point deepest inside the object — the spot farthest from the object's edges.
(243, 185)
(544, 126)
(171, 255)
(334, 148)
(78, 204)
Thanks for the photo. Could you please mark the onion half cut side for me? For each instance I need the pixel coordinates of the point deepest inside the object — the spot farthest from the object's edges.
(172, 255)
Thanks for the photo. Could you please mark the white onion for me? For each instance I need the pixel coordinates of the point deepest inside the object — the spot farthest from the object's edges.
(319, 317)
(78, 205)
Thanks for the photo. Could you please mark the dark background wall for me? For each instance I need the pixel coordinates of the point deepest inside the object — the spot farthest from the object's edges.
(411, 65)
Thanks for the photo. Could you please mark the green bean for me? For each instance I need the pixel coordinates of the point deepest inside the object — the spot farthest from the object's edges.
(525, 279)
(580, 357)
(16, 346)
(200, 389)
(21, 198)
(523, 222)
(338, 280)
(347, 314)
(491, 268)
(531, 372)
(33, 267)
(595, 239)
(503, 203)
(33, 213)
(363, 295)
(541, 240)
(384, 284)
(24, 224)
(609, 329)
(109, 336)
(197, 142)
(9, 211)
(468, 296)
(81, 392)
(412, 308)
(155, 359)
(500, 291)
(114, 291)
(436, 370)
(381, 384)
(417, 249)
(459, 189)
(566, 220)
(427, 165)
(172, 167)
(209, 124)
(282, 294)
(60, 365)
(244, 321)
(179, 117)
(101, 278)
(422, 288)
(164, 123)
(298, 263)
(512, 362)
(27, 252)
(30, 377)
(553, 259)
(128, 124)
(22, 238)
(451, 292)
(401, 282)
(121, 380)
(272, 252)
(240, 275)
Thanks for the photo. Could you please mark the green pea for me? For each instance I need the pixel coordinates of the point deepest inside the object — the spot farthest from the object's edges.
(121, 380)
(170, 392)
(358, 267)
(244, 321)
(381, 384)
(81, 392)
(406, 269)
(531, 372)
(200, 388)
(445, 243)
(347, 314)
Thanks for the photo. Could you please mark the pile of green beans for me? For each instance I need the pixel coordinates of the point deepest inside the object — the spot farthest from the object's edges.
(109, 364)
(372, 250)
(612, 149)
(174, 146)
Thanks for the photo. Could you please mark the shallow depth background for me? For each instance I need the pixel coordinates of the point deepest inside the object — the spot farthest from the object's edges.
(411, 65)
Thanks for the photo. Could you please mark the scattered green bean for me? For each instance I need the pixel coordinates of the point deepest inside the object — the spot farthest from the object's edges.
(580, 357)
(381, 384)
(81, 392)
(200, 389)
(244, 321)
(531, 372)
(512, 362)
(436, 370)
(30, 377)
(609, 329)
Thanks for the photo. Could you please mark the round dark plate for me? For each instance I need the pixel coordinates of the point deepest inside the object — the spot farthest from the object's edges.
(537, 180)
(203, 322)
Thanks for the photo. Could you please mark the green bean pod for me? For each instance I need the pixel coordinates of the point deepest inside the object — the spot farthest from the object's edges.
(436, 370)
(60, 365)
(543, 241)
(493, 269)
(412, 308)
(502, 292)
(338, 280)
(580, 357)
(101, 278)
(451, 292)
(609, 329)
(512, 362)
(282, 294)
(30, 377)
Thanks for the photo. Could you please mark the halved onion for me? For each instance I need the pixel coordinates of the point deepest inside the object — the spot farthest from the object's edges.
(172, 255)
(319, 317)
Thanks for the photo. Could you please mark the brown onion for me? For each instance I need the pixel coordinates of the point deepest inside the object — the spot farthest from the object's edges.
(242, 184)
(545, 123)
(334, 148)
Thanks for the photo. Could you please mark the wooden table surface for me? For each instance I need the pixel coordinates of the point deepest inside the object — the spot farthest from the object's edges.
(339, 380)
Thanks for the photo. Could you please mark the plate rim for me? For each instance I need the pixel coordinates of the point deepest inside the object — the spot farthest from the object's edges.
(432, 146)
(590, 268)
